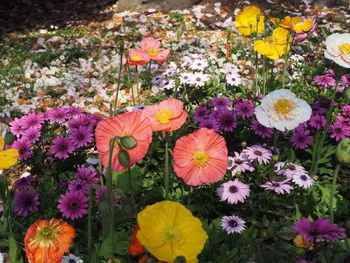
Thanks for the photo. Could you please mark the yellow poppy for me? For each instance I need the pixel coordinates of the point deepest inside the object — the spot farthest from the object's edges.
(8, 158)
(303, 25)
(168, 230)
(250, 20)
(286, 22)
(274, 46)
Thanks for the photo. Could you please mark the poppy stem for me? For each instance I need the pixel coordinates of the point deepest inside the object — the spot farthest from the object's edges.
(335, 174)
(119, 76)
(137, 85)
(166, 172)
(132, 201)
(109, 188)
(89, 237)
(285, 66)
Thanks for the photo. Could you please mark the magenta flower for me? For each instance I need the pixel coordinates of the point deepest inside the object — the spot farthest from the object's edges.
(79, 185)
(232, 224)
(346, 80)
(32, 134)
(24, 148)
(317, 121)
(321, 229)
(73, 205)
(73, 111)
(81, 137)
(226, 120)
(201, 113)
(245, 108)
(61, 147)
(57, 115)
(339, 131)
(261, 130)
(87, 174)
(33, 120)
(346, 110)
(17, 126)
(26, 202)
(221, 103)
(278, 187)
(210, 123)
(324, 81)
(233, 192)
(259, 153)
(24, 182)
(301, 139)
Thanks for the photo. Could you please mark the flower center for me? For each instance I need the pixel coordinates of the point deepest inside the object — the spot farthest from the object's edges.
(136, 58)
(270, 41)
(283, 106)
(200, 158)
(232, 223)
(233, 189)
(344, 48)
(314, 232)
(164, 116)
(172, 235)
(238, 161)
(303, 177)
(73, 205)
(153, 52)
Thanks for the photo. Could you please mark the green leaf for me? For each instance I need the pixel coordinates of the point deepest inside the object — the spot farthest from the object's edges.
(128, 142)
(121, 179)
(13, 248)
(124, 158)
(106, 249)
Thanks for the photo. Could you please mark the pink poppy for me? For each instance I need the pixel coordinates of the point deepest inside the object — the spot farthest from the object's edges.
(152, 46)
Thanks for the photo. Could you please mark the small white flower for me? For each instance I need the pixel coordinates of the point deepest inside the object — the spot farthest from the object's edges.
(233, 79)
(338, 49)
(281, 109)
(199, 64)
(70, 258)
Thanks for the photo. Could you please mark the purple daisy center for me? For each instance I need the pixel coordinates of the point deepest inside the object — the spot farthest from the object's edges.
(233, 189)
(275, 184)
(232, 223)
(257, 152)
(62, 147)
(73, 205)
(238, 161)
(303, 177)
(291, 167)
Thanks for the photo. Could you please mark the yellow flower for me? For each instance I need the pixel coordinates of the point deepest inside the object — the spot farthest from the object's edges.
(8, 158)
(274, 46)
(250, 20)
(286, 22)
(300, 242)
(303, 25)
(168, 230)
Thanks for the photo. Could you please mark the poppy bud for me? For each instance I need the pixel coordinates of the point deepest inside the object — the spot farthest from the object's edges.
(343, 151)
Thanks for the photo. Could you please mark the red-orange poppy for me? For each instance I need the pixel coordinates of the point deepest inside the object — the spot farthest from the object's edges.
(138, 57)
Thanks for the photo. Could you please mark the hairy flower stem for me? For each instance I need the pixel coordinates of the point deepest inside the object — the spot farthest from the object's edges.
(132, 201)
(149, 74)
(285, 66)
(166, 172)
(89, 232)
(119, 76)
(110, 190)
(137, 86)
(131, 87)
(335, 175)
(319, 144)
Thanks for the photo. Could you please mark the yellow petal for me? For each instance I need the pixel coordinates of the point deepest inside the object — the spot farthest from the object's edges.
(2, 143)
(8, 158)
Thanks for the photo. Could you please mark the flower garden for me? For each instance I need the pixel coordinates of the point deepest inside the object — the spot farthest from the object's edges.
(158, 138)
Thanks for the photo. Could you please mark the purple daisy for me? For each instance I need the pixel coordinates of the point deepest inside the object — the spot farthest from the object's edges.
(245, 108)
(26, 202)
(261, 130)
(57, 115)
(233, 192)
(33, 120)
(346, 110)
(240, 164)
(24, 182)
(32, 134)
(289, 169)
(301, 139)
(24, 148)
(73, 111)
(87, 174)
(73, 205)
(17, 126)
(343, 120)
(278, 187)
(102, 194)
(259, 153)
(321, 229)
(320, 106)
(81, 137)
(324, 80)
(345, 80)
(61, 147)
(79, 185)
(221, 103)
(210, 124)
(226, 120)
(232, 224)
(317, 122)
(339, 131)
(201, 113)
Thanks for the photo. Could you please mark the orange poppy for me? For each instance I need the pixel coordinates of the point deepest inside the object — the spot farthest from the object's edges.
(201, 157)
(138, 57)
(168, 115)
(46, 241)
(128, 124)
(136, 247)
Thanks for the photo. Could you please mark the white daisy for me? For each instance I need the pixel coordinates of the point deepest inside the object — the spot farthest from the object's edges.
(303, 180)
(199, 64)
(233, 79)
(281, 109)
(338, 49)
(70, 258)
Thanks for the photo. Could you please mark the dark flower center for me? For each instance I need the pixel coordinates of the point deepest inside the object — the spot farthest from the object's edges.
(291, 167)
(72, 261)
(301, 139)
(257, 152)
(81, 136)
(303, 177)
(62, 147)
(32, 122)
(238, 161)
(28, 202)
(198, 79)
(73, 204)
(275, 184)
(79, 187)
(232, 223)
(314, 232)
(244, 109)
(59, 116)
(337, 130)
(209, 125)
(233, 189)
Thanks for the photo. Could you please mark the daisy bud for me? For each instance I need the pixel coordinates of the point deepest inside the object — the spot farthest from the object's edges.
(275, 158)
(343, 151)
(243, 144)
(346, 94)
(9, 138)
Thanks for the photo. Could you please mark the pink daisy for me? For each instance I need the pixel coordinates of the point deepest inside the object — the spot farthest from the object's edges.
(278, 187)
(240, 163)
(259, 153)
(233, 192)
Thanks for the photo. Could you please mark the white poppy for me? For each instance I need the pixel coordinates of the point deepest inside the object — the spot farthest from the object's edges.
(338, 49)
(281, 109)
